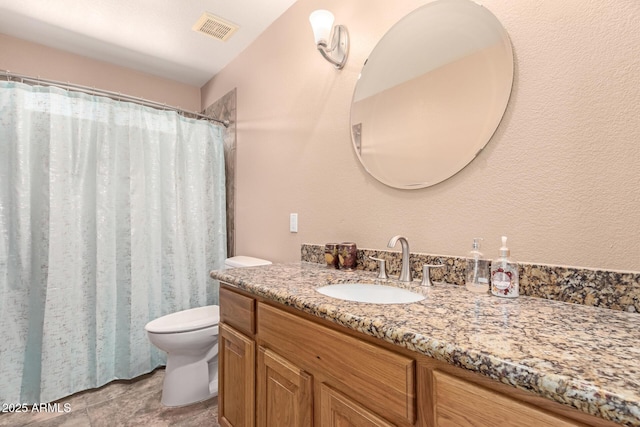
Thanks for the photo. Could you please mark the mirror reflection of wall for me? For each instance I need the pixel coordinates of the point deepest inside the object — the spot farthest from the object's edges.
(356, 132)
(431, 94)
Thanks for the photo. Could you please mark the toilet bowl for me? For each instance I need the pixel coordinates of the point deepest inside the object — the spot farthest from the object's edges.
(190, 339)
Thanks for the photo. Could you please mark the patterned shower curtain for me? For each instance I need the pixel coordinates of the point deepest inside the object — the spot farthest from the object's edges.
(111, 215)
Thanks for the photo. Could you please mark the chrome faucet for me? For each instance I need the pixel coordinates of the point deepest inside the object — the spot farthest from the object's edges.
(405, 272)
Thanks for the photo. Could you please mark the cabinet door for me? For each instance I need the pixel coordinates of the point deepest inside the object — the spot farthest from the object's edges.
(337, 410)
(236, 397)
(284, 392)
(460, 403)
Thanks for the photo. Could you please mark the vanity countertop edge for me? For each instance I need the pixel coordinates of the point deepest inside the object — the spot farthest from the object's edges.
(582, 356)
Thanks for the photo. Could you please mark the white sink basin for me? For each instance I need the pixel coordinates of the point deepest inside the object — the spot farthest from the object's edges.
(367, 292)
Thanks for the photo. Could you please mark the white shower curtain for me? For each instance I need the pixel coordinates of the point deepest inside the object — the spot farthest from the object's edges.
(111, 215)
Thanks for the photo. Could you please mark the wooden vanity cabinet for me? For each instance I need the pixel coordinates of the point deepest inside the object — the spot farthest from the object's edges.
(282, 368)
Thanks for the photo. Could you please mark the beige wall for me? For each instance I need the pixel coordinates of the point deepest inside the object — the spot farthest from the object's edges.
(561, 176)
(23, 57)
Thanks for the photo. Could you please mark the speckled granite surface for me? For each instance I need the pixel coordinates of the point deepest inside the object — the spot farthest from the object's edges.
(616, 290)
(582, 356)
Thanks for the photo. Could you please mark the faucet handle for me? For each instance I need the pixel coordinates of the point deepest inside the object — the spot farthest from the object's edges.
(382, 267)
(426, 268)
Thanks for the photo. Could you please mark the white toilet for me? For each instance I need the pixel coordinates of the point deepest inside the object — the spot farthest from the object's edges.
(190, 338)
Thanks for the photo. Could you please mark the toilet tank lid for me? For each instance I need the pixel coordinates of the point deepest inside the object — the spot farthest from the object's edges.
(245, 261)
(186, 320)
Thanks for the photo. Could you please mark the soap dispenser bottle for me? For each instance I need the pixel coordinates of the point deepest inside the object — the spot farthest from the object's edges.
(504, 274)
(477, 270)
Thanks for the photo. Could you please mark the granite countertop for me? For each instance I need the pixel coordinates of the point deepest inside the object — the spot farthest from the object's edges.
(585, 357)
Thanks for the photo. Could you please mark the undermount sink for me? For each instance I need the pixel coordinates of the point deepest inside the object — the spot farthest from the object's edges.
(367, 292)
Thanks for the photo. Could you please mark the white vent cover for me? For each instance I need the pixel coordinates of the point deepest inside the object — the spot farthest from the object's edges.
(214, 26)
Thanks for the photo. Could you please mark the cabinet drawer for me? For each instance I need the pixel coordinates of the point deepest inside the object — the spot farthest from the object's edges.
(460, 403)
(375, 377)
(238, 311)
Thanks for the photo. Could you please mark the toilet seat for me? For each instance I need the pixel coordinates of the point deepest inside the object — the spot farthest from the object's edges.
(186, 320)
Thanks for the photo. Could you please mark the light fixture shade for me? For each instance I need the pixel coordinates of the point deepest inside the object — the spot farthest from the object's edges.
(322, 23)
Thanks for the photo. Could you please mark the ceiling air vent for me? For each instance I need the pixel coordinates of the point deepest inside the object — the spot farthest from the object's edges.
(215, 27)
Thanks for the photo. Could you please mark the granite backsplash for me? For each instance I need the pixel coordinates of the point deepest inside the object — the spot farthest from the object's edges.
(599, 288)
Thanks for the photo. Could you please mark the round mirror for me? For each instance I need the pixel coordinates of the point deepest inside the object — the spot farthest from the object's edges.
(431, 94)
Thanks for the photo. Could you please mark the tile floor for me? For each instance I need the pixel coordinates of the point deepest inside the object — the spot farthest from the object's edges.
(120, 403)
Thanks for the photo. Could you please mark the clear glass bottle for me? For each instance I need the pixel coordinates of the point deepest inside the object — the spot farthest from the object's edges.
(477, 270)
(504, 274)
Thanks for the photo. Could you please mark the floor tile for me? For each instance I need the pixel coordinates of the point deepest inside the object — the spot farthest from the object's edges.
(36, 414)
(72, 419)
(143, 409)
(120, 403)
(207, 417)
(118, 388)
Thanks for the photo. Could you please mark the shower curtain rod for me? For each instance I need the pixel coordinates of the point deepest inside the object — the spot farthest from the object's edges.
(9, 76)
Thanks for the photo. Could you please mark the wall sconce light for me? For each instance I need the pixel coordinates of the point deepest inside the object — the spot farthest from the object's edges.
(322, 24)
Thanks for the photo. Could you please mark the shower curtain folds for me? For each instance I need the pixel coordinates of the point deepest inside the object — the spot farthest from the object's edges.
(111, 215)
